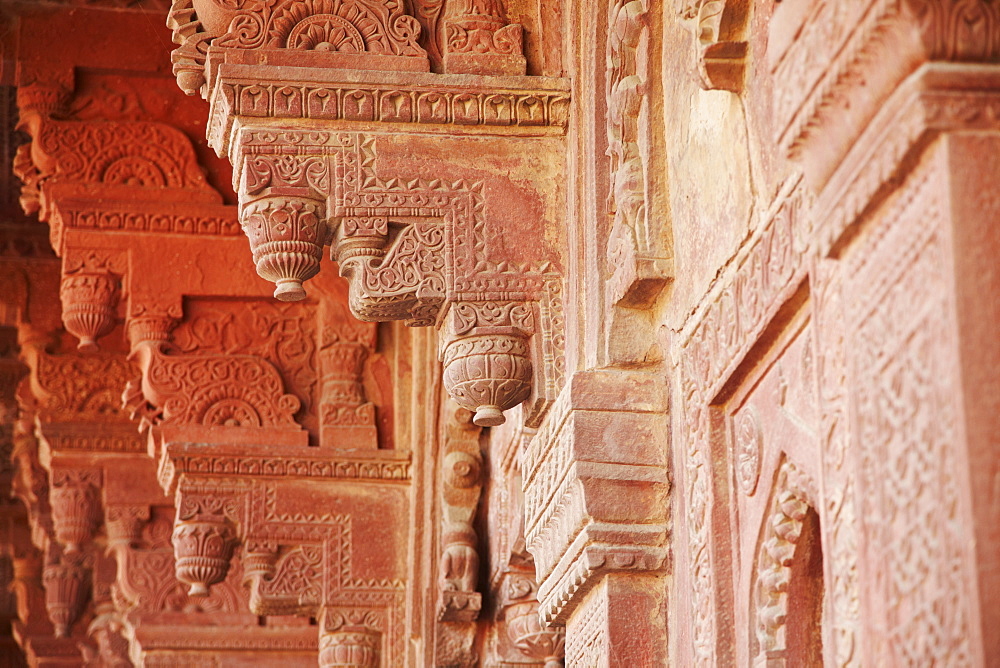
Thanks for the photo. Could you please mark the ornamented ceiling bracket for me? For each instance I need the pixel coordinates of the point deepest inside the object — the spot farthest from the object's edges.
(412, 248)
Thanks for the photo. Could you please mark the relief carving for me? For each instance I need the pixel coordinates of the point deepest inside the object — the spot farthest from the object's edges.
(462, 466)
(720, 46)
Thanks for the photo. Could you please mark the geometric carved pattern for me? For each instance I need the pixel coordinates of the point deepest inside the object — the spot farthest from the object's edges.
(902, 364)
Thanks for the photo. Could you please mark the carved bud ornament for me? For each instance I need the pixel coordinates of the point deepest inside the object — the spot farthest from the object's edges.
(413, 246)
(89, 305)
(287, 235)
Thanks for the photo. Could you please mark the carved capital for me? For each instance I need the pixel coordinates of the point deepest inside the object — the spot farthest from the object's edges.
(74, 495)
(89, 305)
(214, 390)
(67, 586)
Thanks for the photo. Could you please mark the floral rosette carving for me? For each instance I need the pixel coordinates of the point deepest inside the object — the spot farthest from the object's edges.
(287, 235)
(488, 374)
(89, 306)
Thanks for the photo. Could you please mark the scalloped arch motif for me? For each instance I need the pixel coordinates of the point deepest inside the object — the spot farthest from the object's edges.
(218, 390)
(792, 497)
(119, 153)
(380, 27)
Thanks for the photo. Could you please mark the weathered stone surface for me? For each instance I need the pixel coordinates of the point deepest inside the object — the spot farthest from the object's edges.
(654, 333)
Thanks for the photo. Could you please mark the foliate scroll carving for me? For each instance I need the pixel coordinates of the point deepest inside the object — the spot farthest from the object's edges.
(78, 387)
(112, 153)
(720, 47)
(286, 584)
(214, 390)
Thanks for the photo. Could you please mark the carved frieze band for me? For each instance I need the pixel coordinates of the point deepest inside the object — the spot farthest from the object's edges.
(423, 100)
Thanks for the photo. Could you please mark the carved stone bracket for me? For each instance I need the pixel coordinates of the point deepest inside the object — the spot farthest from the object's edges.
(720, 46)
(295, 560)
(411, 250)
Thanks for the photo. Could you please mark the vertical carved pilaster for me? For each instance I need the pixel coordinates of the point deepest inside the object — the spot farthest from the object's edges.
(462, 465)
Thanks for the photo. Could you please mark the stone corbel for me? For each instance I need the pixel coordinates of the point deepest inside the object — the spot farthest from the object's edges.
(720, 47)
(300, 547)
(412, 248)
